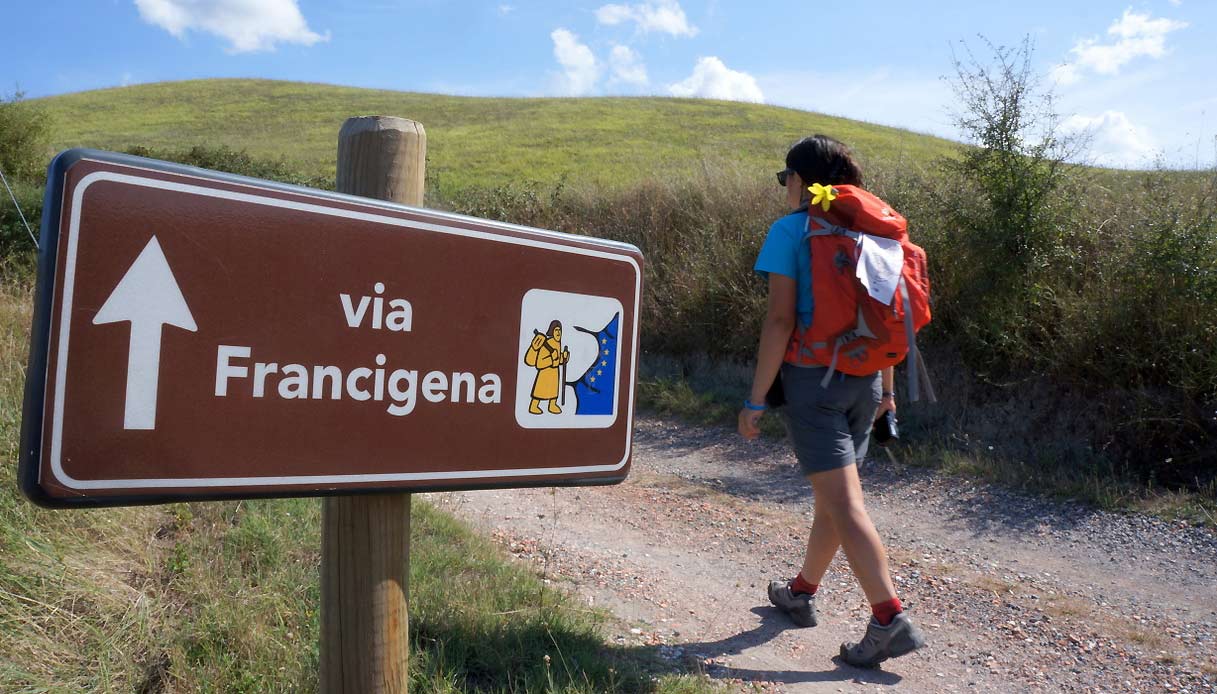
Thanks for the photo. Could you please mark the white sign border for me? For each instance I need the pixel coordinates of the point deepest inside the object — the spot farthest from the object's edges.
(69, 278)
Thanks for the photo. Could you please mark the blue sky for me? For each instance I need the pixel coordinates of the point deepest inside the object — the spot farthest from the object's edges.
(1138, 77)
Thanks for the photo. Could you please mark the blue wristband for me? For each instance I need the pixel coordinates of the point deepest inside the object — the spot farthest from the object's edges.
(756, 408)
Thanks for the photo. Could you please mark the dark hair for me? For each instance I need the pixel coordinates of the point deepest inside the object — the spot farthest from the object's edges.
(552, 325)
(821, 159)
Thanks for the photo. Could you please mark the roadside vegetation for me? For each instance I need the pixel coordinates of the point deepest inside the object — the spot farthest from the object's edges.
(1072, 350)
(223, 596)
(24, 138)
(1071, 340)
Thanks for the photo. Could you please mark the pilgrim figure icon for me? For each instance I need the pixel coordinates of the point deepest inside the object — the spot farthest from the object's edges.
(547, 355)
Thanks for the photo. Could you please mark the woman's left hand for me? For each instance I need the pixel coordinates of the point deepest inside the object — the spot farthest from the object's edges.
(887, 404)
(749, 423)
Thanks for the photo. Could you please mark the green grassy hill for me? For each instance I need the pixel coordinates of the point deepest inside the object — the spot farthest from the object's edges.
(472, 141)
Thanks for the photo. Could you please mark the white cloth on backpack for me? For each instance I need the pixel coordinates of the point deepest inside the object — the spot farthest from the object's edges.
(880, 263)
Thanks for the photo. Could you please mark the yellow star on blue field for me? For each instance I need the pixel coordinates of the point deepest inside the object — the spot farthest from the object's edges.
(604, 340)
(606, 352)
(598, 372)
(592, 379)
(603, 363)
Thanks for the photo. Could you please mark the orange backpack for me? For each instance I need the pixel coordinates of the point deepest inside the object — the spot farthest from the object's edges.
(869, 285)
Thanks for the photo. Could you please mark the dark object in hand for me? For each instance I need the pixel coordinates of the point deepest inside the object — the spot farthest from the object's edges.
(884, 431)
(776, 397)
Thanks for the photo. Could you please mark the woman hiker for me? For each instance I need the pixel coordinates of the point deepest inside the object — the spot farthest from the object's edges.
(829, 426)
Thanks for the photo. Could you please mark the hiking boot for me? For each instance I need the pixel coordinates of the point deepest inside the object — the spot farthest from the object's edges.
(883, 642)
(800, 606)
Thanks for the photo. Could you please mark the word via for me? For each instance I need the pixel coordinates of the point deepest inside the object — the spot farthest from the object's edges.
(400, 386)
(399, 319)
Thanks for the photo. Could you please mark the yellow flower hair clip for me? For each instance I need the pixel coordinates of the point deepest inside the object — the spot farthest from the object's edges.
(822, 195)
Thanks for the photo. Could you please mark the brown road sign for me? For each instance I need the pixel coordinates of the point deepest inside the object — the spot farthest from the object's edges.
(199, 335)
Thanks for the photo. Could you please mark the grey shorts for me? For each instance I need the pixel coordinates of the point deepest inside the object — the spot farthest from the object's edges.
(830, 427)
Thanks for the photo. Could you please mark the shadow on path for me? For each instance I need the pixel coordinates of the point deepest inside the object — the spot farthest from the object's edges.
(771, 625)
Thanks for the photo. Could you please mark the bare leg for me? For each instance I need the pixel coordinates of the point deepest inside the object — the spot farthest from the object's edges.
(839, 493)
(822, 545)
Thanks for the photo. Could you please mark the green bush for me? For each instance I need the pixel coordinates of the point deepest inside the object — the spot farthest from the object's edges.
(24, 134)
(222, 158)
(1007, 212)
(17, 251)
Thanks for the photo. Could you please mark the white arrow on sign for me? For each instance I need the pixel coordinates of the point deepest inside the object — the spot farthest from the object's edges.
(149, 297)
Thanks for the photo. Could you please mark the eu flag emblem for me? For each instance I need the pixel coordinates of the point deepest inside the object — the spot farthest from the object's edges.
(595, 389)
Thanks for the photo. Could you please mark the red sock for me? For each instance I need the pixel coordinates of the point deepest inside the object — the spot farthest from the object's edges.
(799, 585)
(885, 612)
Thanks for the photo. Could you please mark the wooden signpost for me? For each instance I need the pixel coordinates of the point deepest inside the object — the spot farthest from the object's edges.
(203, 336)
(365, 540)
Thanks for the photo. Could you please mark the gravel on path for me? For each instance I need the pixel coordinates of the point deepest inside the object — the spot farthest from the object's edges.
(1015, 592)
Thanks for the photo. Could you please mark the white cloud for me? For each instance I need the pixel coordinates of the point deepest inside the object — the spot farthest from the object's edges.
(505, 10)
(711, 79)
(579, 66)
(1135, 35)
(627, 66)
(664, 16)
(248, 25)
(1114, 139)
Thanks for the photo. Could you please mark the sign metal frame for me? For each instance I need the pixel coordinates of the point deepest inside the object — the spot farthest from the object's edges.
(146, 491)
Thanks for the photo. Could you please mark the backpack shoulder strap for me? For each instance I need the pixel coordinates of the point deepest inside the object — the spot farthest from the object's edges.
(827, 228)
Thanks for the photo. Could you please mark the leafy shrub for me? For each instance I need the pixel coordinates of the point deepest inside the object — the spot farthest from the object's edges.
(1097, 280)
(222, 158)
(24, 134)
(1006, 211)
(16, 248)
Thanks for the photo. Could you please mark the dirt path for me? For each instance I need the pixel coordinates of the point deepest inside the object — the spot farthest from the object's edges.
(1015, 593)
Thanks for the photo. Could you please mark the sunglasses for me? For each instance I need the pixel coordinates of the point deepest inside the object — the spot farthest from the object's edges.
(782, 175)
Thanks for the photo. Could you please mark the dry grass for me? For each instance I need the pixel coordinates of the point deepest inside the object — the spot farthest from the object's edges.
(76, 588)
(223, 597)
(993, 584)
(1096, 618)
